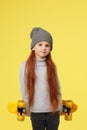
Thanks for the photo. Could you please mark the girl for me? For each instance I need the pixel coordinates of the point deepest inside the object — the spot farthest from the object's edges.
(39, 83)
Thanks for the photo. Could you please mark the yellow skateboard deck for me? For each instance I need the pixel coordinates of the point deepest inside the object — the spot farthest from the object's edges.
(19, 108)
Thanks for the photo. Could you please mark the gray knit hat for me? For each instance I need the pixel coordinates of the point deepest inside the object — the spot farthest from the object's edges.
(38, 34)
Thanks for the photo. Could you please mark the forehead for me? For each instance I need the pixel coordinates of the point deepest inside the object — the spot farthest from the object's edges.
(43, 42)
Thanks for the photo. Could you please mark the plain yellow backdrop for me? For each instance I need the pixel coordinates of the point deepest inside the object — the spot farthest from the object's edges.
(66, 20)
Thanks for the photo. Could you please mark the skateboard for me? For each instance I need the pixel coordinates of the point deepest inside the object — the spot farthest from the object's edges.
(19, 108)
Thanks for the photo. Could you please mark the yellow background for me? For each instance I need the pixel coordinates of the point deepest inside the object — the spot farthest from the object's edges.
(67, 22)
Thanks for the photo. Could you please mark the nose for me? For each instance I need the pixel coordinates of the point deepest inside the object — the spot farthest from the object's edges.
(43, 47)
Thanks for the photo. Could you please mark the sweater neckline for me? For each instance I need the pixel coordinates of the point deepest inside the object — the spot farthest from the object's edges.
(41, 61)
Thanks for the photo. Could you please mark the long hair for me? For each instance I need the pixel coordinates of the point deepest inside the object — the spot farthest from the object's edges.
(51, 78)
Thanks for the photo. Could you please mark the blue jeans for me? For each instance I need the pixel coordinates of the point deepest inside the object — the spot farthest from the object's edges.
(48, 121)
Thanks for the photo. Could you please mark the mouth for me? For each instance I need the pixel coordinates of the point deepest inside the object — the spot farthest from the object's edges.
(42, 52)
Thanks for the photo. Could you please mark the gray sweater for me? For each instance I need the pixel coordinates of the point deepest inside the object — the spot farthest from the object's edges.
(41, 97)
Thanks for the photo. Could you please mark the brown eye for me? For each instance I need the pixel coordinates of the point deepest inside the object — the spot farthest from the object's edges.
(47, 45)
(39, 44)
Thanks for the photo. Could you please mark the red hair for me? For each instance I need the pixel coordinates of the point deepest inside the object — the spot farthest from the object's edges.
(51, 78)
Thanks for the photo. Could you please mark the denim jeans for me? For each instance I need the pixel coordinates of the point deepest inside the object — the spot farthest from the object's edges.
(45, 121)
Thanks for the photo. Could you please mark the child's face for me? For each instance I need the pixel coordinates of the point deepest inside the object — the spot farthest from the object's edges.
(42, 49)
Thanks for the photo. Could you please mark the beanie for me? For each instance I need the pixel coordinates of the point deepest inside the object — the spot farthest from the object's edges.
(38, 34)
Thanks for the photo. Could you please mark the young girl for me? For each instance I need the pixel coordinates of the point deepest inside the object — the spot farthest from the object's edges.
(39, 83)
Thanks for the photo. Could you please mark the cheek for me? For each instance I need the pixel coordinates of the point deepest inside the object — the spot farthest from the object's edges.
(48, 52)
(48, 49)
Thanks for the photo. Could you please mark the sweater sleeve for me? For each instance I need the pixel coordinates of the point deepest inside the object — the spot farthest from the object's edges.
(23, 83)
(58, 82)
(59, 93)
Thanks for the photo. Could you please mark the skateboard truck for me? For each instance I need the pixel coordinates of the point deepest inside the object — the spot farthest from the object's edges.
(21, 110)
(68, 108)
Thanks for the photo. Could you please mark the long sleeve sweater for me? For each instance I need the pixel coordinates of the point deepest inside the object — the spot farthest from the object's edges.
(41, 96)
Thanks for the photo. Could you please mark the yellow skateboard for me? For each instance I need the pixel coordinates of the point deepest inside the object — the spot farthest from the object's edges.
(19, 108)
